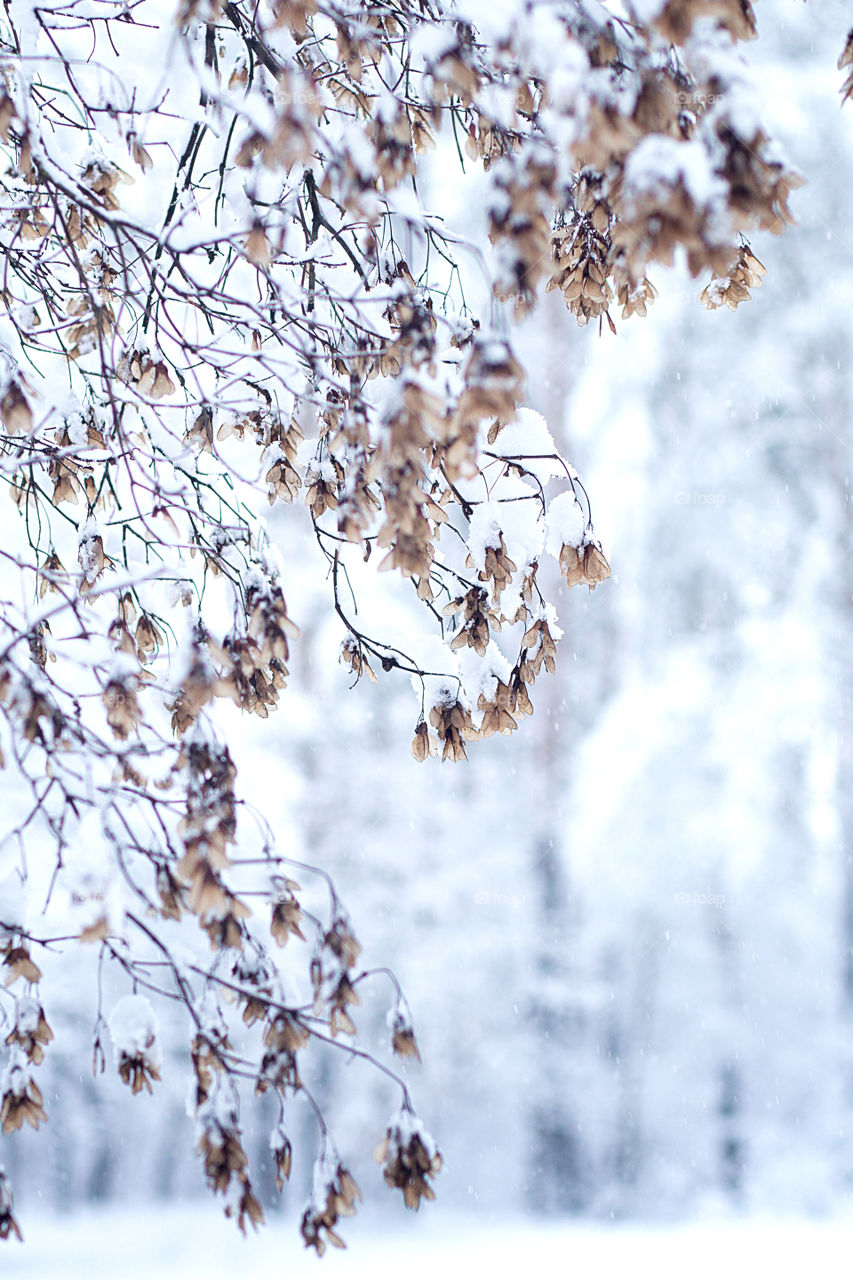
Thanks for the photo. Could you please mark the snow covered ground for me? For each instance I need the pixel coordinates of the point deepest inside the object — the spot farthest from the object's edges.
(164, 1244)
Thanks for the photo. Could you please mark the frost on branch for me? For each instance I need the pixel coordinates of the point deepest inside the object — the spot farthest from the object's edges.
(222, 293)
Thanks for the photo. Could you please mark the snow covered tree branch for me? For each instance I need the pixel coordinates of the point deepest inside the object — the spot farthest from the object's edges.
(222, 288)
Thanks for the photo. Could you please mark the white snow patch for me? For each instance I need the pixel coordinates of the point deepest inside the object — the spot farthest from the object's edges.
(134, 1029)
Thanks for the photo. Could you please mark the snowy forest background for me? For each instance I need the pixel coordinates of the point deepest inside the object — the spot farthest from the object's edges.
(626, 934)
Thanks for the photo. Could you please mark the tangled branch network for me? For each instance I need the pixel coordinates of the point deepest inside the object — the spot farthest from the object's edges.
(222, 290)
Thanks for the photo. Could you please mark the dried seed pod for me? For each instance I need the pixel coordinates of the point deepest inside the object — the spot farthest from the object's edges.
(282, 1154)
(286, 918)
(409, 1157)
(18, 964)
(31, 1031)
(8, 1223)
(247, 1206)
(334, 1197)
(423, 744)
(675, 20)
(354, 657)
(403, 1035)
(585, 564)
(846, 60)
(219, 1144)
(452, 723)
(134, 1033)
(745, 274)
(20, 1097)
